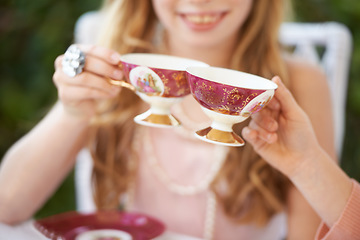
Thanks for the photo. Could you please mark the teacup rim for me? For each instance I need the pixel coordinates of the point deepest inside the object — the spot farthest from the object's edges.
(168, 57)
(270, 84)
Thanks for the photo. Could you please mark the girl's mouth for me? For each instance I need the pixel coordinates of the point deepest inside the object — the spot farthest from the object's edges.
(203, 21)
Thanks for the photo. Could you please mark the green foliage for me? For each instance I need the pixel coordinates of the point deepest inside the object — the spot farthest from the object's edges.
(348, 13)
(34, 33)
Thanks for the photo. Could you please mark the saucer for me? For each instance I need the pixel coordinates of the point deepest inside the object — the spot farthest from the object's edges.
(104, 234)
(74, 225)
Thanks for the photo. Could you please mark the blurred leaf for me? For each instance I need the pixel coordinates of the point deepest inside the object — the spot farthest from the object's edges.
(347, 12)
(32, 35)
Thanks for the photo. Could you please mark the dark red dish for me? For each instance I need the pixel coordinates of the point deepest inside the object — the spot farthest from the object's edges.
(66, 226)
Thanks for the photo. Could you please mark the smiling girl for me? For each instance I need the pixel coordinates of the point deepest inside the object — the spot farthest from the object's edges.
(163, 171)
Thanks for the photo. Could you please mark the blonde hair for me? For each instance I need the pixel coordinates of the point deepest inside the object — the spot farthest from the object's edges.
(254, 190)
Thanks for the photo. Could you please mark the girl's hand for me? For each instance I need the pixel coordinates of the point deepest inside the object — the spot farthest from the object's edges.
(78, 94)
(282, 133)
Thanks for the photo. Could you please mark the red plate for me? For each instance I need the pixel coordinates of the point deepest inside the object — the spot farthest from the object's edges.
(67, 226)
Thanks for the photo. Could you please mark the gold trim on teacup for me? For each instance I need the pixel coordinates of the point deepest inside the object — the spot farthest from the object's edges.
(121, 83)
(162, 119)
(220, 136)
(203, 132)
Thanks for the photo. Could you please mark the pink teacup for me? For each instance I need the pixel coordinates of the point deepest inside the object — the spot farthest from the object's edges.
(159, 80)
(227, 97)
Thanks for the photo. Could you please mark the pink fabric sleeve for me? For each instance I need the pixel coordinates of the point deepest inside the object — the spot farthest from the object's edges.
(347, 226)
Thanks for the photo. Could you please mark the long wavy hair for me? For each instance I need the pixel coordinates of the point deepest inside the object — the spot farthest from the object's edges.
(254, 190)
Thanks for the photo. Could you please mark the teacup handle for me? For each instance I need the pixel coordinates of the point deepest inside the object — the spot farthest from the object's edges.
(121, 83)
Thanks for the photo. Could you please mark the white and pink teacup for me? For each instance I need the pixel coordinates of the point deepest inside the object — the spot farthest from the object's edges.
(160, 80)
(227, 97)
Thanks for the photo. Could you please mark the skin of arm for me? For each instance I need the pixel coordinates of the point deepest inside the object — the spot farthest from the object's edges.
(34, 167)
(305, 81)
(283, 136)
(310, 89)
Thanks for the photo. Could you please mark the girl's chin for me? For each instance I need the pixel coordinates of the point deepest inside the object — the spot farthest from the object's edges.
(203, 43)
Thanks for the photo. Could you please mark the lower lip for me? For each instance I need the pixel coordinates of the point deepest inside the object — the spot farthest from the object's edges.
(201, 27)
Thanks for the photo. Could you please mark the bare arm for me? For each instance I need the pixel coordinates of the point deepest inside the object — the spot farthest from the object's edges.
(292, 147)
(34, 167)
(310, 89)
(325, 186)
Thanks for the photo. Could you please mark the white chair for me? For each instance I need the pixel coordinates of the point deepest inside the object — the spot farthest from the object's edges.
(86, 31)
(335, 43)
(334, 38)
(83, 187)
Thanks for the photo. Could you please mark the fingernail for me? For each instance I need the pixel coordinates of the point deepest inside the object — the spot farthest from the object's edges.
(277, 105)
(115, 58)
(277, 80)
(247, 132)
(272, 126)
(270, 138)
(118, 74)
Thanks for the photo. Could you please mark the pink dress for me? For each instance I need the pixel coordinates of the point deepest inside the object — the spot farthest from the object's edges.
(348, 225)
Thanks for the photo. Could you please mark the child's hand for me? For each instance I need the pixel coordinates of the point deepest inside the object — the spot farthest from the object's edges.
(78, 94)
(282, 133)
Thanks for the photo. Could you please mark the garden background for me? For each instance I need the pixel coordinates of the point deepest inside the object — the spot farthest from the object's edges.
(34, 33)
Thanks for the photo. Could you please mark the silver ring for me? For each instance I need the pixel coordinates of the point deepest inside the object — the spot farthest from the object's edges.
(74, 61)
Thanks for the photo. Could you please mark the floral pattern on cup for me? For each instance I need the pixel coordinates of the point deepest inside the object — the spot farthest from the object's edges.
(146, 81)
(219, 97)
(167, 83)
(257, 103)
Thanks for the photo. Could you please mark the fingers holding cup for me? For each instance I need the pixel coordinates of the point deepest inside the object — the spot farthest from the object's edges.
(264, 129)
(98, 60)
(101, 68)
(86, 80)
(81, 77)
(266, 119)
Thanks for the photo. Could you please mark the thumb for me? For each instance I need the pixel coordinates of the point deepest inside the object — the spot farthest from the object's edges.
(285, 98)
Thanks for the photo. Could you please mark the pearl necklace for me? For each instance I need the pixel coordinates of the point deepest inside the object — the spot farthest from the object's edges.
(187, 190)
(210, 216)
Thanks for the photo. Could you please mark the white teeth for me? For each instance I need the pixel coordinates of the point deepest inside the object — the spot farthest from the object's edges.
(201, 19)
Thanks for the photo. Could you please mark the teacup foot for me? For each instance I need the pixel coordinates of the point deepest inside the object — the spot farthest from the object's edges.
(157, 120)
(220, 137)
